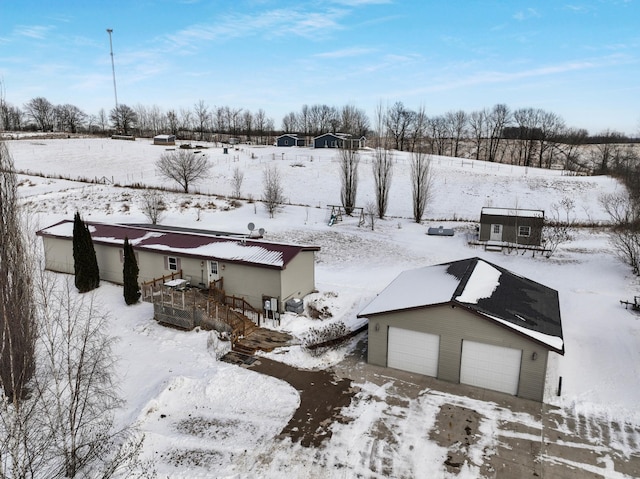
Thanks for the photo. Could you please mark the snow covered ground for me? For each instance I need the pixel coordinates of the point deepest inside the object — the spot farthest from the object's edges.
(203, 418)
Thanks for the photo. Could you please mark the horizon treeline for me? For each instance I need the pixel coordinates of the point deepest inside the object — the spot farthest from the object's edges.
(524, 136)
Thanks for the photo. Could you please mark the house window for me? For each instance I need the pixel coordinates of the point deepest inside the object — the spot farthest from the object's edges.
(524, 231)
(172, 263)
(496, 229)
(213, 267)
(122, 256)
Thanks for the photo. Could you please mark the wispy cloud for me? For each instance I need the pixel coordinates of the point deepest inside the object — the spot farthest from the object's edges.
(346, 52)
(497, 77)
(526, 14)
(271, 23)
(38, 32)
(358, 3)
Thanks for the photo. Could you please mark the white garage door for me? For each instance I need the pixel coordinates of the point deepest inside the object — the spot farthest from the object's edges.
(490, 367)
(413, 351)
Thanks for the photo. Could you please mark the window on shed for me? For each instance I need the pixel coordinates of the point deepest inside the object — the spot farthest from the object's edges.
(496, 229)
(524, 231)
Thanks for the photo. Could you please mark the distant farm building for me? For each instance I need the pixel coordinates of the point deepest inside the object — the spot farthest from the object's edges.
(338, 140)
(289, 139)
(468, 322)
(511, 226)
(164, 140)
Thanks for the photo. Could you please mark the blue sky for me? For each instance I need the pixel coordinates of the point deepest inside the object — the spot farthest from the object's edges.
(577, 58)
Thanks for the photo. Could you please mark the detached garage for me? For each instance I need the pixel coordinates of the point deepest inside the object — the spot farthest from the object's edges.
(469, 322)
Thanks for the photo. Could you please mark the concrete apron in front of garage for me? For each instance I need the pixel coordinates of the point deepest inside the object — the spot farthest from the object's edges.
(539, 441)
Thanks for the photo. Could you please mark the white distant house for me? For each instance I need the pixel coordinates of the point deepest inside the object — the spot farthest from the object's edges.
(252, 269)
(164, 140)
(469, 322)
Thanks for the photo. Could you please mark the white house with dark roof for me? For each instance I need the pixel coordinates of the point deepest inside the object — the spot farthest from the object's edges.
(250, 268)
(470, 322)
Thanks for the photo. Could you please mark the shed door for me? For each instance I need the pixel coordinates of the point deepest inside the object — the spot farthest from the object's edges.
(490, 367)
(413, 351)
(496, 233)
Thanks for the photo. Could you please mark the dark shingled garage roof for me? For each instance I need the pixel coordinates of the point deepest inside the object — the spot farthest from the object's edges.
(507, 299)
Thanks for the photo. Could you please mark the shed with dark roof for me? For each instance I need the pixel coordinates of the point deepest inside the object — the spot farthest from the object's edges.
(252, 269)
(467, 321)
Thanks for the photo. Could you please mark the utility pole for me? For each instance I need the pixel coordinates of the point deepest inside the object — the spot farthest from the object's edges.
(113, 68)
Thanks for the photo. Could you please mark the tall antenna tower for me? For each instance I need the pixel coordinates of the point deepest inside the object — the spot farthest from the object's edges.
(113, 67)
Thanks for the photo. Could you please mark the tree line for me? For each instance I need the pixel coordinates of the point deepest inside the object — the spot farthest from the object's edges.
(524, 136)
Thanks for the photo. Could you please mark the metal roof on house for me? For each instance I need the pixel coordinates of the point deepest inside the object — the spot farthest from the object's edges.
(494, 293)
(512, 212)
(186, 243)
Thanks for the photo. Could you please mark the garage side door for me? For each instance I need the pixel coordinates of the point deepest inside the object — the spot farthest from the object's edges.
(490, 367)
(413, 351)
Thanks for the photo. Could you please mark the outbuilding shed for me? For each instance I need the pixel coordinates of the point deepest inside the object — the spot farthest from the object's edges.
(164, 140)
(511, 226)
(250, 269)
(467, 321)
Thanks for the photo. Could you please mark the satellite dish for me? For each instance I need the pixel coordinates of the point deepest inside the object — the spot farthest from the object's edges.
(261, 231)
(251, 226)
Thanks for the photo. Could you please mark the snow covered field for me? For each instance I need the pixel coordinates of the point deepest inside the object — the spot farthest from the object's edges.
(203, 418)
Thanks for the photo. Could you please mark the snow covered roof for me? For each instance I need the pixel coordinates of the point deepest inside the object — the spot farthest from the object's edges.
(186, 243)
(512, 212)
(496, 294)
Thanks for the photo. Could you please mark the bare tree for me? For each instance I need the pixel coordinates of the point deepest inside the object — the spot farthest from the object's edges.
(184, 167)
(382, 164)
(290, 123)
(349, 161)
(236, 182)
(202, 116)
(273, 194)
(153, 205)
(142, 117)
(398, 122)
(102, 120)
(353, 121)
(69, 117)
(17, 316)
(625, 230)
(417, 129)
(123, 118)
(557, 228)
(247, 124)
(498, 119)
(40, 110)
(456, 122)
(478, 125)
(75, 386)
(382, 173)
(551, 125)
(568, 143)
(421, 183)
(172, 122)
